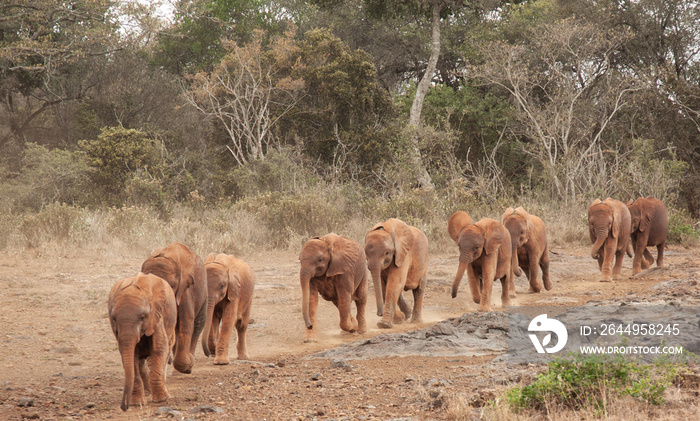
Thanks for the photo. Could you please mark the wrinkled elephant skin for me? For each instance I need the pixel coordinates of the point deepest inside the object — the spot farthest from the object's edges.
(335, 267)
(231, 285)
(143, 314)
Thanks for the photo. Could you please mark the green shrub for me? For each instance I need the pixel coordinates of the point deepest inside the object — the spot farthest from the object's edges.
(590, 382)
(682, 229)
(116, 155)
(144, 190)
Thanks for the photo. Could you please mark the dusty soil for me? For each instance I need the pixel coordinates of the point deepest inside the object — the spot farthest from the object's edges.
(59, 359)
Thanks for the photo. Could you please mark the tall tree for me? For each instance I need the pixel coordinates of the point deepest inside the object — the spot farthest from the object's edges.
(45, 49)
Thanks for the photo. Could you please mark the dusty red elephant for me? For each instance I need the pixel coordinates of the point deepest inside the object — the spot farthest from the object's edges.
(397, 257)
(649, 228)
(335, 267)
(231, 286)
(528, 235)
(143, 314)
(609, 224)
(485, 252)
(184, 271)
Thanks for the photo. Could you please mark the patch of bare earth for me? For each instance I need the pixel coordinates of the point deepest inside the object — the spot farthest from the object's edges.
(59, 359)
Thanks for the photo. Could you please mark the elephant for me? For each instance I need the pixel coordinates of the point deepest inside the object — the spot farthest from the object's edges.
(649, 228)
(609, 225)
(335, 267)
(485, 252)
(397, 258)
(530, 250)
(231, 283)
(184, 270)
(143, 313)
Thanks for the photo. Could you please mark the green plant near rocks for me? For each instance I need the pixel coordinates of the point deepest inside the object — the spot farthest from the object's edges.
(593, 382)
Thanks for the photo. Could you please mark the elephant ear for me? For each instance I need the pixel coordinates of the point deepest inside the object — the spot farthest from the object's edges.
(114, 292)
(595, 202)
(344, 253)
(403, 241)
(210, 258)
(157, 300)
(617, 220)
(646, 217)
(457, 222)
(493, 237)
(528, 221)
(507, 213)
(234, 284)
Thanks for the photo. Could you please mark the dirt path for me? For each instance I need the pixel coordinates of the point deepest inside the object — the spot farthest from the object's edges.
(59, 359)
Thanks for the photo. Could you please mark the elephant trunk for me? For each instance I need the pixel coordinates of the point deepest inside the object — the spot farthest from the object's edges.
(305, 297)
(376, 273)
(458, 278)
(207, 325)
(127, 348)
(514, 262)
(601, 235)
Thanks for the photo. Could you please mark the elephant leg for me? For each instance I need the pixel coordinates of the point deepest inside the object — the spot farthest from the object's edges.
(404, 307)
(214, 330)
(505, 295)
(157, 362)
(310, 334)
(648, 259)
(200, 320)
(474, 284)
(417, 315)
(608, 256)
(487, 277)
(138, 394)
(619, 255)
(228, 319)
(361, 304)
(660, 254)
(544, 266)
(639, 245)
(347, 322)
(533, 273)
(145, 376)
(392, 314)
(184, 359)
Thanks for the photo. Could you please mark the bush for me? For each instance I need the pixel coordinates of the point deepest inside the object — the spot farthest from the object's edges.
(682, 229)
(48, 176)
(585, 382)
(116, 155)
(56, 222)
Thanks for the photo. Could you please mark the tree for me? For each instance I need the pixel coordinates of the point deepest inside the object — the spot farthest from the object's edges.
(566, 93)
(248, 92)
(45, 49)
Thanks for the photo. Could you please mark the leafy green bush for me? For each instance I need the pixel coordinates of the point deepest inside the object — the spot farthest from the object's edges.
(116, 155)
(144, 190)
(591, 382)
(682, 229)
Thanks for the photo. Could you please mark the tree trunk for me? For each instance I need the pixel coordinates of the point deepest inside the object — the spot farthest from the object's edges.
(421, 90)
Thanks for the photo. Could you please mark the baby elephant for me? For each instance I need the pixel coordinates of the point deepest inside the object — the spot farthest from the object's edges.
(143, 314)
(609, 224)
(530, 251)
(335, 267)
(231, 283)
(649, 228)
(485, 252)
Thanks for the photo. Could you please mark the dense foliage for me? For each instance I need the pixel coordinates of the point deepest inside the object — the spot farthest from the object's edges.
(558, 100)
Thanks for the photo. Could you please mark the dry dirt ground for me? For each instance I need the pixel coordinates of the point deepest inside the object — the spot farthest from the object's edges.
(59, 359)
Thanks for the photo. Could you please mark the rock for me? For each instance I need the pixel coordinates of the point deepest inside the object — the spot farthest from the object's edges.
(481, 333)
(340, 364)
(206, 409)
(316, 376)
(438, 383)
(281, 362)
(25, 401)
(164, 411)
(31, 416)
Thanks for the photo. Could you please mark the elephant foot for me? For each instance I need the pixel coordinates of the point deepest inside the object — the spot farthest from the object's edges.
(605, 279)
(160, 397)
(416, 319)
(222, 361)
(310, 339)
(137, 400)
(484, 309)
(547, 284)
(362, 330)
(385, 324)
(243, 357)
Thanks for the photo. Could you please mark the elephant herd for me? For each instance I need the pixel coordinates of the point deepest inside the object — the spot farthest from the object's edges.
(158, 315)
